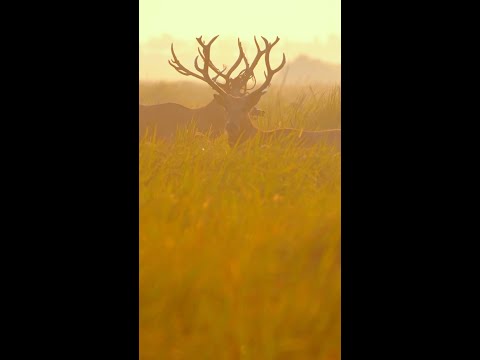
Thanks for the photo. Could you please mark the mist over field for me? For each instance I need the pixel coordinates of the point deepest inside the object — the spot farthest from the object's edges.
(312, 62)
(240, 180)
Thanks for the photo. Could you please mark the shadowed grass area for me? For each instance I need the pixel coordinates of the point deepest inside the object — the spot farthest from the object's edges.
(239, 250)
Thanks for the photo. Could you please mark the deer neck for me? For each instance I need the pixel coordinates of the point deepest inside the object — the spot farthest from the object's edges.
(237, 135)
(210, 105)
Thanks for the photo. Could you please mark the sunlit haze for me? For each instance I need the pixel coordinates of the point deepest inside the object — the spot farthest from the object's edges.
(305, 27)
(239, 175)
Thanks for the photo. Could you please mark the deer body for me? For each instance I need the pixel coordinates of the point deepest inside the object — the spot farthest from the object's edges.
(167, 118)
(245, 130)
(239, 104)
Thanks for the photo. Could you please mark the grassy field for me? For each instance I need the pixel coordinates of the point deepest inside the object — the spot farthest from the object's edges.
(240, 248)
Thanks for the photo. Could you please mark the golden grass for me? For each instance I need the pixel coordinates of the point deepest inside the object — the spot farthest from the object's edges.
(239, 248)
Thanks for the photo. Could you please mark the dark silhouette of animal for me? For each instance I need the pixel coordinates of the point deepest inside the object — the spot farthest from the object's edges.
(238, 105)
(165, 119)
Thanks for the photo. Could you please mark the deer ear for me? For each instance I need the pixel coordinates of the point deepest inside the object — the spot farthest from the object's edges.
(219, 99)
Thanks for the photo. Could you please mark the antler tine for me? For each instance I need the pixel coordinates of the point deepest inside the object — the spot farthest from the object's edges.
(266, 42)
(247, 65)
(269, 74)
(211, 41)
(267, 62)
(220, 73)
(202, 43)
(271, 45)
(206, 65)
(242, 81)
(175, 63)
(212, 66)
(249, 73)
(197, 66)
(256, 43)
(246, 75)
(241, 56)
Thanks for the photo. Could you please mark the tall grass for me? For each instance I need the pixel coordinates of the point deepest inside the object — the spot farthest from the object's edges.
(313, 107)
(310, 108)
(240, 248)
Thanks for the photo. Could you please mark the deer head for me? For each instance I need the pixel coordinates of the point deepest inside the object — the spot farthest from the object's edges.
(233, 95)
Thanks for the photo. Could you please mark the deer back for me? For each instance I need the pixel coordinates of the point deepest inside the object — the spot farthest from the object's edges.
(165, 119)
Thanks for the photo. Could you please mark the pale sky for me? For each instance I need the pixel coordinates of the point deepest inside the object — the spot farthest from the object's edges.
(300, 20)
(310, 27)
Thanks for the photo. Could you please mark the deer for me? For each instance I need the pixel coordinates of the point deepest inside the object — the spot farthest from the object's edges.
(239, 105)
(165, 119)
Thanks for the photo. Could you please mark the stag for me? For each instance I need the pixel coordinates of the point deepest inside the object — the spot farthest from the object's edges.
(239, 105)
(165, 119)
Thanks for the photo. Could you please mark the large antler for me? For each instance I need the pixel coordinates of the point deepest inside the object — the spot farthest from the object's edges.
(213, 67)
(226, 76)
(241, 81)
(207, 63)
(238, 85)
(241, 56)
(250, 69)
(269, 74)
(231, 86)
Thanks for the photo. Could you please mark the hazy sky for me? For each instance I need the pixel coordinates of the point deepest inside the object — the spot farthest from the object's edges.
(298, 20)
(308, 27)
